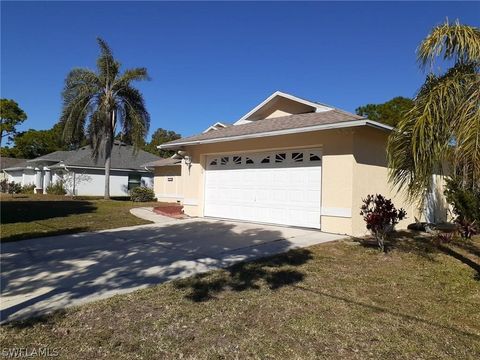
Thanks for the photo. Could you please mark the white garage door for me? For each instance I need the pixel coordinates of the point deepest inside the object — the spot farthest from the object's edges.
(279, 187)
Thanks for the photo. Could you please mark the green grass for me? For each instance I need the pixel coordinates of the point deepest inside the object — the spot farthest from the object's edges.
(30, 216)
(337, 300)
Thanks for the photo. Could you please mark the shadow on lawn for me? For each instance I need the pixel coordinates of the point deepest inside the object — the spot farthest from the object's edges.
(27, 211)
(245, 276)
(427, 246)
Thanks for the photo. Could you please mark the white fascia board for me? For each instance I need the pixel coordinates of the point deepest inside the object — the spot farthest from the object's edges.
(341, 125)
(318, 107)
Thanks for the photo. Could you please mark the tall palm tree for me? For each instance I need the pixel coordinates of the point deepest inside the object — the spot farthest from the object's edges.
(442, 130)
(103, 102)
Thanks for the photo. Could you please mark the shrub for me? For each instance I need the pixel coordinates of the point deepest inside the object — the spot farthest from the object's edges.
(380, 216)
(4, 186)
(142, 194)
(466, 206)
(28, 189)
(10, 187)
(56, 188)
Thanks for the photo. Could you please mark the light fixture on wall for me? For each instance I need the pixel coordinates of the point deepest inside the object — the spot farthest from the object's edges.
(188, 160)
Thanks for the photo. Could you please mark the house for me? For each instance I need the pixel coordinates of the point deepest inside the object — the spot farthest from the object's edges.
(82, 175)
(288, 161)
(8, 162)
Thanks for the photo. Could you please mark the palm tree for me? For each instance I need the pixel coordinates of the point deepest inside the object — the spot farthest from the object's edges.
(101, 101)
(442, 131)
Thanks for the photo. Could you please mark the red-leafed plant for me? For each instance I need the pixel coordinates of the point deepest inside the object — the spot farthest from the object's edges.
(380, 216)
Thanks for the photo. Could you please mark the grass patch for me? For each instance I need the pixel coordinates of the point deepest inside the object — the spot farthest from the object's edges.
(30, 216)
(336, 300)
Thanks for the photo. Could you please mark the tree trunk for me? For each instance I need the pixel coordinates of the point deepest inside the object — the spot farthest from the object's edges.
(108, 155)
(108, 161)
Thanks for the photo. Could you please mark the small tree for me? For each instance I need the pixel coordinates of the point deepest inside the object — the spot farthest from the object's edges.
(380, 216)
(10, 116)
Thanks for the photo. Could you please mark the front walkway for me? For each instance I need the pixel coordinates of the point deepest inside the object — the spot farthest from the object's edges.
(45, 274)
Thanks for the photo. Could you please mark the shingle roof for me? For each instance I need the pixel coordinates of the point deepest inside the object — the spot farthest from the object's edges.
(123, 157)
(275, 124)
(7, 162)
(164, 162)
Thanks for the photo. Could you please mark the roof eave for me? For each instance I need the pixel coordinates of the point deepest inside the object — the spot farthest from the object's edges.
(340, 125)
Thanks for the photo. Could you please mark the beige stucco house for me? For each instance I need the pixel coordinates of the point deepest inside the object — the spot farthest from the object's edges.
(287, 161)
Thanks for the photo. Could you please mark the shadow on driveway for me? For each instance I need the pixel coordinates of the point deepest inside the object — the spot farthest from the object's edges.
(42, 276)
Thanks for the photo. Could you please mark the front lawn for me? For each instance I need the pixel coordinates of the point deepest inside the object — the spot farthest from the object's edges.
(29, 216)
(337, 300)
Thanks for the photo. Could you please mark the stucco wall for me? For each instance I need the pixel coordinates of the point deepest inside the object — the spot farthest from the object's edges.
(16, 176)
(91, 182)
(88, 182)
(168, 183)
(280, 107)
(371, 177)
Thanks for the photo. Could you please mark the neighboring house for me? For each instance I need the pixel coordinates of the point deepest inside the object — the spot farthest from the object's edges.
(7, 162)
(82, 175)
(288, 161)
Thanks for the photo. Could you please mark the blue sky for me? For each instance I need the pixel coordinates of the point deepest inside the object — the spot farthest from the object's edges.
(215, 61)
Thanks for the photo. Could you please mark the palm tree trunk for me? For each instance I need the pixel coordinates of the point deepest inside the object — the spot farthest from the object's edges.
(108, 161)
(108, 156)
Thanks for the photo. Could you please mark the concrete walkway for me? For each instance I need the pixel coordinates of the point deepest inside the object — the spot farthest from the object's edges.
(45, 274)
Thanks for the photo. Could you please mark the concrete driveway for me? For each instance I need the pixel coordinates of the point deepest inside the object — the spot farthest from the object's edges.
(45, 274)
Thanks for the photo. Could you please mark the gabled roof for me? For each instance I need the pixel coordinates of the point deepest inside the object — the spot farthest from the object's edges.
(291, 124)
(123, 158)
(314, 106)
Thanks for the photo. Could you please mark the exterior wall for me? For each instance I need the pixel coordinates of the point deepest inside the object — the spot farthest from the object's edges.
(280, 107)
(91, 182)
(337, 172)
(371, 177)
(16, 176)
(278, 113)
(168, 183)
(88, 182)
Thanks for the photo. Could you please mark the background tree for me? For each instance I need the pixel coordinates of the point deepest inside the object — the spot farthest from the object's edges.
(443, 127)
(101, 102)
(159, 137)
(390, 112)
(11, 115)
(34, 143)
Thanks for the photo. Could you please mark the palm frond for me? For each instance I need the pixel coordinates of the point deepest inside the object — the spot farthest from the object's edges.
(135, 119)
(136, 74)
(108, 67)
(457, 42)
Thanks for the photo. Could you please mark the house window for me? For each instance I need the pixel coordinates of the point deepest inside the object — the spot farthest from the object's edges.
(237, 160)
(266, 160)
(280, 157)
(297, 157)
(314, 157)
(134, 180)
(224, 160)
(248, 160)
(213, 162)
